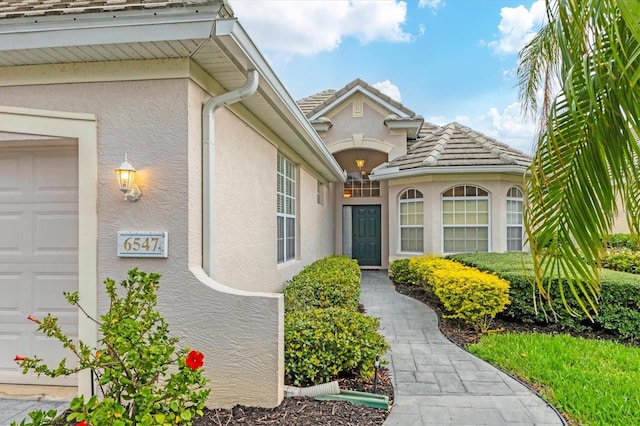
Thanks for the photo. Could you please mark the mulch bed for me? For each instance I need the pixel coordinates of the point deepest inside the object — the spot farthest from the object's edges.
(307, 411)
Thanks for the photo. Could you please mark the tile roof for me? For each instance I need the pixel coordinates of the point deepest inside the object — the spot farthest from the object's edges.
(31, 8)
(457, 145)
(314, 103)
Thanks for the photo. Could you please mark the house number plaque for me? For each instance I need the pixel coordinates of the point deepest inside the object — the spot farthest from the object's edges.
(142, 244)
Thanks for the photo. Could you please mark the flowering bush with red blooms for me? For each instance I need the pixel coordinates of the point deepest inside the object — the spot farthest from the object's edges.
(194, 360)
(130, 365)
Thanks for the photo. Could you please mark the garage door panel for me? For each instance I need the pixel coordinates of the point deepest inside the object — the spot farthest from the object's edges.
(9, 348)
(10, 174)
(13, 225)
(55, 172)
(56, 233)
(49, 296)
(14, 295)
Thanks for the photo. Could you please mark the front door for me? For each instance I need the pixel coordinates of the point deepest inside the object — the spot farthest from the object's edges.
(366, 235)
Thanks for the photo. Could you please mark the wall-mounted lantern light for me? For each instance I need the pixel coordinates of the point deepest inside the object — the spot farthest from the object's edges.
(125, 175)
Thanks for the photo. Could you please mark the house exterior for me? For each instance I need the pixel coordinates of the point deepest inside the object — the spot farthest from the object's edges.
(413, 187)
(234, 180)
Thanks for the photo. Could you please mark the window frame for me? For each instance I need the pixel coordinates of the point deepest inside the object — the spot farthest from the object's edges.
(286, 210)
(519, 199)
(465, 197)
(408, 201)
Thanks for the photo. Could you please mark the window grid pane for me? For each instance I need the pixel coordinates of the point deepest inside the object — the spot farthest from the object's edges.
(358, 187)
(515, 204)
(411, 221)
(465, 219)
(286, 210)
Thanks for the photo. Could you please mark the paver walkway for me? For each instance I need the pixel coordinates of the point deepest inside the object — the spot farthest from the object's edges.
(436, 382)
(16, 410)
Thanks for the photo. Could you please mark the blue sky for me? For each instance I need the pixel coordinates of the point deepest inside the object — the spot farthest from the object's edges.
(447, 60)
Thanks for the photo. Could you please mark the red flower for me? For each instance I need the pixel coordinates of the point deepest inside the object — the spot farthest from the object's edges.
(82, 423)
(34, 319)
(194, 360)
(20, 358)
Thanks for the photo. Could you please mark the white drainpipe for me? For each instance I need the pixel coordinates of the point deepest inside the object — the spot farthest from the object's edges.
(208, 163)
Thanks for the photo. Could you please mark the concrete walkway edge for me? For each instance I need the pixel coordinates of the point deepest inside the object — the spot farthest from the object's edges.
(436, 382)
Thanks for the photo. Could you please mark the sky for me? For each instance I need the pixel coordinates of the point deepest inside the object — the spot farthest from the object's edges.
(447, 60)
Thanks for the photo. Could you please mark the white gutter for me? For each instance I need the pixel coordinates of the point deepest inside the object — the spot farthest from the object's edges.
(243, 46)
(395, 173)
(208, 163)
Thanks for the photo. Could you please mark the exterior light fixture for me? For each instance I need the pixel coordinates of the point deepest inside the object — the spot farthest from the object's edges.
(360, 164)
(125, 175)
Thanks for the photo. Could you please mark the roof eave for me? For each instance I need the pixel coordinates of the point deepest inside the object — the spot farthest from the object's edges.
(308, 144)
(42, 32)
(388, 173)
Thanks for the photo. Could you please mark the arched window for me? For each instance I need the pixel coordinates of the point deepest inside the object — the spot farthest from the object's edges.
(465, 219)
(411, 221)
(515, 200)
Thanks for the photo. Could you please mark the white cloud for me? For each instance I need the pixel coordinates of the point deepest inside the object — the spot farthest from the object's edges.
(508, 126)
(389, 89)
(517, 27)
(433, 4)
(309, 27)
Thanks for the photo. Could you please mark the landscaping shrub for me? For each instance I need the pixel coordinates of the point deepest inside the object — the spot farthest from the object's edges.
(322, 344)
(132, 364)
(618, 307)
(422, 268)
(473, 296)
(330, 282)
(622, 259)
(627, 241)
(468, 294)
(399, 272)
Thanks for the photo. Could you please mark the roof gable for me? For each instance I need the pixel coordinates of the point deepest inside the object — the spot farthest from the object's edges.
(317, 105)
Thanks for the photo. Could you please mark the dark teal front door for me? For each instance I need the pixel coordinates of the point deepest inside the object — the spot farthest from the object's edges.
(366, 241)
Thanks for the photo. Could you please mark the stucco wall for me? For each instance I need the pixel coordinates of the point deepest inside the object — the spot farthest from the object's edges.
(245, 228)
(371, 125)
(240, 335)
(432, 187)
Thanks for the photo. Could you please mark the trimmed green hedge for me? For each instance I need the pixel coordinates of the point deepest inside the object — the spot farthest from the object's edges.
(330, 282)
(400, 272)
(322, 344)
(618, 308)
(627, 241)
(622, 259)
(325, 335)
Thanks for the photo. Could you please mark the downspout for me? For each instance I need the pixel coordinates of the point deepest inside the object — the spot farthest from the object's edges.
(208, 163)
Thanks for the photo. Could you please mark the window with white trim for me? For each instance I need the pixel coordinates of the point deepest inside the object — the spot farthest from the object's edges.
(465, 220)
(286, 216)
(411, 221)
(515, 201)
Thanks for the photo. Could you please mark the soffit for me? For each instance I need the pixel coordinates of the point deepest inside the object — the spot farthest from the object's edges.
(214, 56)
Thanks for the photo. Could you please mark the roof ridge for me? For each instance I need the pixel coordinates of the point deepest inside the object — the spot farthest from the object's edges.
(488, 143)
(438, 148)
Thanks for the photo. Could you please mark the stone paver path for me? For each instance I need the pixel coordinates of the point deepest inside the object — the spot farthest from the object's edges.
(16, 410)
(436, 382)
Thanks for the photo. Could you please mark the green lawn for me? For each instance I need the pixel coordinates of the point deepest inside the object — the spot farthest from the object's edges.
(594, 382)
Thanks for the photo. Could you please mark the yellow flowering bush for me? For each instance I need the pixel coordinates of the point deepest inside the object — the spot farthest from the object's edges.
(471, 295)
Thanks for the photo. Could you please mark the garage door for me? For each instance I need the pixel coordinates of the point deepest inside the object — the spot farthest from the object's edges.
(38, 253)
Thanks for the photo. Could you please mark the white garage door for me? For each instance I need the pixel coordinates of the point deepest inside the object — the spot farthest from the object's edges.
(38, 254)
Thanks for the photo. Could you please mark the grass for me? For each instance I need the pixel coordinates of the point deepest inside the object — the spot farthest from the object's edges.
(594, 382)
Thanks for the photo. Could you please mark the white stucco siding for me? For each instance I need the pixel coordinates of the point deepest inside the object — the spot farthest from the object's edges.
(370, 124)
(432, 187)
(245, 225)
(240, 336)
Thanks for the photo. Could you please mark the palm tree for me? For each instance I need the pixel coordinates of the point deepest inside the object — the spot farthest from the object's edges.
(588, 148)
